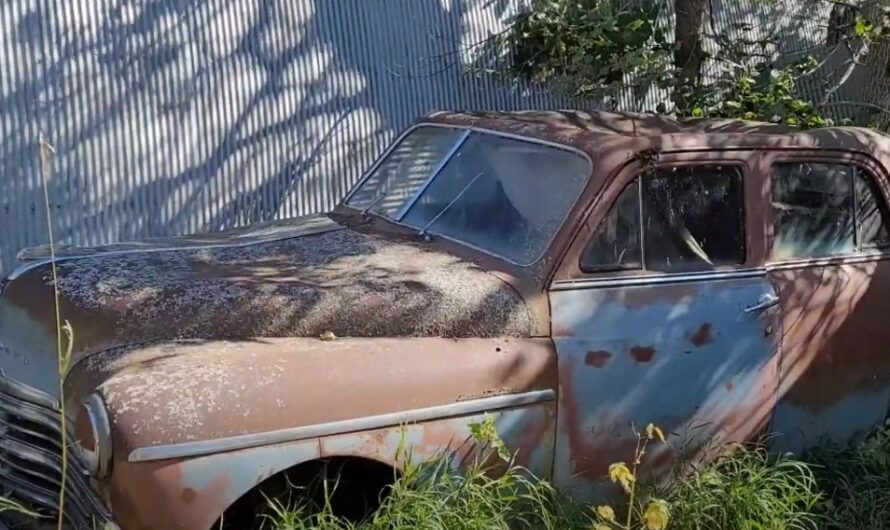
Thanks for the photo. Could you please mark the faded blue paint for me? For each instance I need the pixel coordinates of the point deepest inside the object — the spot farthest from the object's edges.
(529, 432)
(215, 482)
(242, 470)
(686, 357)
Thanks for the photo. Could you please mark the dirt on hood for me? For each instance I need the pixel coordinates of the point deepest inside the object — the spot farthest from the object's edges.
(309, 282)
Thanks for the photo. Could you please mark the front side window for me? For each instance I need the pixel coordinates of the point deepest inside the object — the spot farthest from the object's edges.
(673, 219)
(505, 196)
(822, 210)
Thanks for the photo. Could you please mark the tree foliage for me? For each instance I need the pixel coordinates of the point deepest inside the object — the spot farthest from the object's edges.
(590, 47)
(597, 48)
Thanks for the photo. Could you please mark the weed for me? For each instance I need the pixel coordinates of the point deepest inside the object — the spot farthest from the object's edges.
(7, 505)
(744, 489)
(856, 482)
(654, 513)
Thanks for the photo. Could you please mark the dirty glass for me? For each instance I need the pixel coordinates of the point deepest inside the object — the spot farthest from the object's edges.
(502, 195)
(616, 244)
(813, 210)
(871, 212)
(692, 219)
(407, 167)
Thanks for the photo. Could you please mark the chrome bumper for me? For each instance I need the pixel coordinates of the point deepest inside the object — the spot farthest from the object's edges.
(31, 462)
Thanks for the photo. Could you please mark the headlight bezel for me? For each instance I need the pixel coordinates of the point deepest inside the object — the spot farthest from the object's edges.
(97, 452)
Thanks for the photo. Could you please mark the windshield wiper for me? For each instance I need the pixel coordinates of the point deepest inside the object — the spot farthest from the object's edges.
(374, 203)
(457, 197)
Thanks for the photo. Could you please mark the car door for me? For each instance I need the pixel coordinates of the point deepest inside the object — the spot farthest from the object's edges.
(830, 264)
(664, 314)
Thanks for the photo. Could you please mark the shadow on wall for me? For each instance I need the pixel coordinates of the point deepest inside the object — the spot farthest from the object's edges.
(177, 116)
(180, 116)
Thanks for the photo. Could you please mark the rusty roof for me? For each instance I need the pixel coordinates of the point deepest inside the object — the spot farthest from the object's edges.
(595, 131)
(611, 123)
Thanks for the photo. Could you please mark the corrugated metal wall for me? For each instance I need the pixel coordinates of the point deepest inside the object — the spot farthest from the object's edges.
(178, 116)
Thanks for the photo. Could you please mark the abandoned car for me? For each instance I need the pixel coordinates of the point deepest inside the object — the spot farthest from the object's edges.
(573, 276)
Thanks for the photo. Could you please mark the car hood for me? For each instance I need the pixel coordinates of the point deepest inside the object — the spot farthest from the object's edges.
(309, 277)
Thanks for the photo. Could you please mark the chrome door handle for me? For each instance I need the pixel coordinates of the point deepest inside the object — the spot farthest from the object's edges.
(765, 302)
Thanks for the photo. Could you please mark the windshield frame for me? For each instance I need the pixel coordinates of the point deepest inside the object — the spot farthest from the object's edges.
(467, 131)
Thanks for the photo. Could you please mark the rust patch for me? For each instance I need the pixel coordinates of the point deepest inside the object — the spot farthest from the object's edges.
(597, 359)
(702, 337)
(643, 354)
(559, 331)
(485, 394)
(671, 295)
(729, 386)
(189, 495)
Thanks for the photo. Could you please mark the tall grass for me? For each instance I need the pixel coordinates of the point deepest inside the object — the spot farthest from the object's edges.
(745, 489)
(63, 353)
(433, 496)
(7, 505)
(856, 482)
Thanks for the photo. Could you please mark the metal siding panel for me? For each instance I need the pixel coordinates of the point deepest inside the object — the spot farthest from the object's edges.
(173, 117)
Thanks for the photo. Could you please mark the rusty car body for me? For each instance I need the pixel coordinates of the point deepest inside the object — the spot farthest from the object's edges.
(573, 275)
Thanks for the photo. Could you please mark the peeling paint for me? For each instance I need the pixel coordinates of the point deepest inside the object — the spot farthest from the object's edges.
(642, 354)
(703, 336)
(597, 359)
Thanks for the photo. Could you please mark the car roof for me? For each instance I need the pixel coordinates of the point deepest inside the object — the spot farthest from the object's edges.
(603, 133)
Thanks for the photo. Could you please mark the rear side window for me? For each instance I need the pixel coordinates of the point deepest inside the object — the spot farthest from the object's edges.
(822, 210)
(674, 219)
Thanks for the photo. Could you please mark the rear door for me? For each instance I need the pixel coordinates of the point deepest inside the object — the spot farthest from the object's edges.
(662, 313)
(830, 263)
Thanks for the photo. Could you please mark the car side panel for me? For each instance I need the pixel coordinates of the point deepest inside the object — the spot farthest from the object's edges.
(191, 494)
(836, 359)
(685, 356)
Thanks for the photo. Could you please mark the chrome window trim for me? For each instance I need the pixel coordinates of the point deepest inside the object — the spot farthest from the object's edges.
(830, 261)
(670, 278)
(530, 139)
(309, 432)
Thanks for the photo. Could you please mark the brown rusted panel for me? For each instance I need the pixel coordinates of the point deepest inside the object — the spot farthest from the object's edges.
(336, 280)
(205, 390)
(835, 368)
(528, 433)
(192, 494)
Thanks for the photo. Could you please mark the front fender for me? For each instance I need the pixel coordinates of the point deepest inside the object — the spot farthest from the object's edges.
(192, 493)
(198, 424)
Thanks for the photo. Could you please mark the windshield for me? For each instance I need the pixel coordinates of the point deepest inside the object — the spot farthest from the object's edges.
(505, 196)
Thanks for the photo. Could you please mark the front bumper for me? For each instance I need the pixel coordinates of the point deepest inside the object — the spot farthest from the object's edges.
(31, 461)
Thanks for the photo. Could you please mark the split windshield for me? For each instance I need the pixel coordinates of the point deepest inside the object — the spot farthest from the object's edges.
(502, 195)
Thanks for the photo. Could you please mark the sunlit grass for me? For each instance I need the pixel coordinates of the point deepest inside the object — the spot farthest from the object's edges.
(746, 489)
(434, 496)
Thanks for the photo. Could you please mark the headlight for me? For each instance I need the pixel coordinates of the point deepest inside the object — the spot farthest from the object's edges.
(93, 431)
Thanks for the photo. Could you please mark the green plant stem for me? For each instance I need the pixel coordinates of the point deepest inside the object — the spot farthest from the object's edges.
(46, 151)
